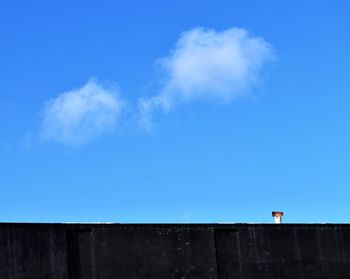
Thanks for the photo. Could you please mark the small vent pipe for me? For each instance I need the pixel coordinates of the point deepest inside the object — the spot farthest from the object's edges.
(277, 216)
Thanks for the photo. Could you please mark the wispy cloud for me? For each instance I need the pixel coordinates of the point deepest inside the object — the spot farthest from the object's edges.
(80, 115)
(205, 65)
(208, 65)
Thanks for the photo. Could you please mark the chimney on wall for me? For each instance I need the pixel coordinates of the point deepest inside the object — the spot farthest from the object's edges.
(277, 216)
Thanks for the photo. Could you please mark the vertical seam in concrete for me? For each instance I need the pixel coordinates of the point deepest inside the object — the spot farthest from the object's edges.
(338, 247)
(10, 272)
(297, 248)
(92, 247)
(216, 256)
(50, 252)
(239, 255)
(320, 251)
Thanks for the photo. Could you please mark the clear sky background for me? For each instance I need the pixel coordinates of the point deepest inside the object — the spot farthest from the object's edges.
(212, 145)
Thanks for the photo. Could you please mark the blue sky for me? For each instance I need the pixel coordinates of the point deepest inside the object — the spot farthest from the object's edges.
(174, 111)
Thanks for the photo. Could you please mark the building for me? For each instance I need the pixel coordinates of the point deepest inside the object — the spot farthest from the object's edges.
(108, 251)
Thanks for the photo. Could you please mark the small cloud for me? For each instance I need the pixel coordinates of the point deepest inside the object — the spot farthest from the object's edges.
(208, 65)
(80, 115)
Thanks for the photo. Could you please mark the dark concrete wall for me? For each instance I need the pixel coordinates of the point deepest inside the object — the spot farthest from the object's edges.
(108, 251)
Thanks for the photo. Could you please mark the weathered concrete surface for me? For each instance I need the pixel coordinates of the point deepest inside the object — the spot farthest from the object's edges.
(108, 251)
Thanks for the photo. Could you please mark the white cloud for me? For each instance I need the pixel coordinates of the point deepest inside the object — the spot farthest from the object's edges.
(208, 65)
(81, 115)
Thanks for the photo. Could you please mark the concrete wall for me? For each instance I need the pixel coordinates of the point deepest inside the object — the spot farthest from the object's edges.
(244, 251)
